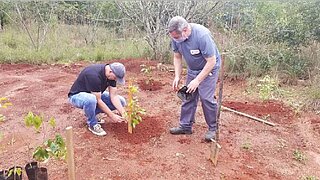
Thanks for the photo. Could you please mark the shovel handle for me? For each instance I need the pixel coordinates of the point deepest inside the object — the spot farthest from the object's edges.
(248, 116)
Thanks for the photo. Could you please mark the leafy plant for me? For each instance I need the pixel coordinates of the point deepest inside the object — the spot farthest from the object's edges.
(267, 86)
(55, 148)
(33, 120)
(4, 103)
(147, 70)
(134, 111)
(15, 170)
(299, 156)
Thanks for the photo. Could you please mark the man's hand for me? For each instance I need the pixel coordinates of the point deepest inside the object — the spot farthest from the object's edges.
(193, 85)
(117, 118)
(175, 84)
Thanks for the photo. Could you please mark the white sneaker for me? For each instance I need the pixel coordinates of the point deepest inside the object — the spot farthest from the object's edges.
(97, 130)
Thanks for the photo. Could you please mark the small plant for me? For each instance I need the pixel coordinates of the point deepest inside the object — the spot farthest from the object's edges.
(4, 103)
(147, 70)
(55, 148)
(266, 117)
(267, 86)
(134, 111)
(299, 156)
(15, 171)
(33, 120)
(309, 178)
(246, 145)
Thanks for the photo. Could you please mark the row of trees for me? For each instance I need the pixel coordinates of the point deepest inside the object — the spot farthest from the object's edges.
(148, 17)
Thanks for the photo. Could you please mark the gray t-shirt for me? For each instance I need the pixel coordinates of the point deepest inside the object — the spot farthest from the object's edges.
(197, 47)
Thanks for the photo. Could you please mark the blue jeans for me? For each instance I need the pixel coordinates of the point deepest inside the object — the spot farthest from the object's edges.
(88, 103)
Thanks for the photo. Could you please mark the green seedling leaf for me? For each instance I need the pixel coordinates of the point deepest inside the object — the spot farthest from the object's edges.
(4, 103)
(15, 170)
(52, 122)
(41, 154)
(56, 147)
(60, 141)
(33, 120)
(134, 111)
(2, 118)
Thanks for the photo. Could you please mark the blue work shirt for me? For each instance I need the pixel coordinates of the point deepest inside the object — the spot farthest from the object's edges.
(198, 46)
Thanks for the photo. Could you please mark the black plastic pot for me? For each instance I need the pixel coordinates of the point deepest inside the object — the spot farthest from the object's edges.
(31, 170)
(41, 173)
(3, 174)
(14, 175)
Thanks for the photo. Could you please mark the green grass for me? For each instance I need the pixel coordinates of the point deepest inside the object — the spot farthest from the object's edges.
(299, 156)
(68, 44)
(309, 178)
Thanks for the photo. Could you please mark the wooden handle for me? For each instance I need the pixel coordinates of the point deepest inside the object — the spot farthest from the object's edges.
(248, 116)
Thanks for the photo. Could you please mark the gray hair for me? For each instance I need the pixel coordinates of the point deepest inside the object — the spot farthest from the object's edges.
(177, 24)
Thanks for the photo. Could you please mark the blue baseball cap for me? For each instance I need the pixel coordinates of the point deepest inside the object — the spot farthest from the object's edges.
(119, 70)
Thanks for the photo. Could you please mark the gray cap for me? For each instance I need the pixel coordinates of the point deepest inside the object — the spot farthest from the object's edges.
(119, 70)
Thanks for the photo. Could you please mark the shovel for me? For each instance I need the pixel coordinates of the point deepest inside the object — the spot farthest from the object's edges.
(215, 146)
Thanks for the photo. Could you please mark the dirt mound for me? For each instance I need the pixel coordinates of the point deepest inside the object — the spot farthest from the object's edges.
(150, 127)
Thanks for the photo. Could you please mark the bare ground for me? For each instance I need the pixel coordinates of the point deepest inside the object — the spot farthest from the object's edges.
(250, 150)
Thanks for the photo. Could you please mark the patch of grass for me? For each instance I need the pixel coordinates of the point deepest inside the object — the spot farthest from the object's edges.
(299, 156)
(309, 178)
(313, 98)
(246, 145)
(67, 44)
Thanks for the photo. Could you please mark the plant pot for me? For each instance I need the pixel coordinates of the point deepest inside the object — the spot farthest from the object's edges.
(15, 173)
(3, 174)
(31, 170)
(41, 173)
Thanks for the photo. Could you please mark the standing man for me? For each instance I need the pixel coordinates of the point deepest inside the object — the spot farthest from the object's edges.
(195, 44)
(89, 93)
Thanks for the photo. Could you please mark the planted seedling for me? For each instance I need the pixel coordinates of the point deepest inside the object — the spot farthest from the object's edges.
(4, 103)
(267, 87)
(15, 173)
(134, 111)
(147, 70)
(51, 148)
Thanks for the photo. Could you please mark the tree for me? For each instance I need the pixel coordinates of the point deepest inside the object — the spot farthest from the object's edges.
(39, 13)
(151, 18)
(4, 8)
